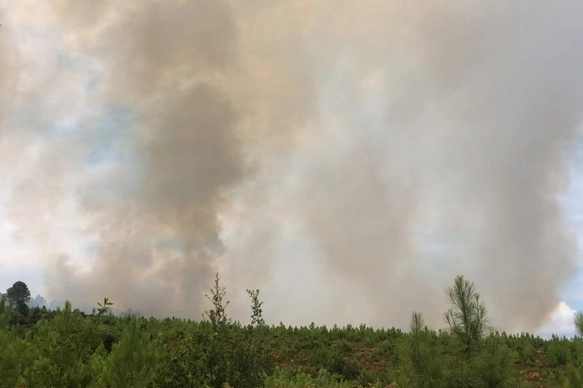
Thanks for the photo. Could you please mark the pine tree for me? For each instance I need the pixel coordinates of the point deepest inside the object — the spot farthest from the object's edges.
(218, 315)
(256, 311)
(133, 360)
(419, 359)
(468, 318)
(19, 294)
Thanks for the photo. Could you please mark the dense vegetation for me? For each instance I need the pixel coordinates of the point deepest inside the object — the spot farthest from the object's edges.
(67, 348)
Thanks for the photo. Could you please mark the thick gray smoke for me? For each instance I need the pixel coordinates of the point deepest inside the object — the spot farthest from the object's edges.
(349, 159)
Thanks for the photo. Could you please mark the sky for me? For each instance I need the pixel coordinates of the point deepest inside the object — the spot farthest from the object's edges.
(347, 160)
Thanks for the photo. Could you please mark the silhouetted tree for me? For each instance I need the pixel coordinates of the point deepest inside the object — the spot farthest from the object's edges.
(19, 295)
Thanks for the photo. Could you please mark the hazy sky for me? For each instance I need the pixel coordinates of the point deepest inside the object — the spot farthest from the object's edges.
(348, 160)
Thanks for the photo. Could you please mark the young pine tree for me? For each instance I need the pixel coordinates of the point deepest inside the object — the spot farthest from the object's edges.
(468, 317)
(256, 311)
(419, 358)
(218, 315)
(483, 359)
(133, 360)
(467, 321)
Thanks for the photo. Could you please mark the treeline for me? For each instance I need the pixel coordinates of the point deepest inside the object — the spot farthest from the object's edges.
(67, 348)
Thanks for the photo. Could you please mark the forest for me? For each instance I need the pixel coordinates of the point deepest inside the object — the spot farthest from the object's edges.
(69, 348)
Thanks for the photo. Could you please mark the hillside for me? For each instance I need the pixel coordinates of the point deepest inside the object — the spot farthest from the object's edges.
(68, 348)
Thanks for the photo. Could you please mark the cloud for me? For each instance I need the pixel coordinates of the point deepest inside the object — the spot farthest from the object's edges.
(560, 322)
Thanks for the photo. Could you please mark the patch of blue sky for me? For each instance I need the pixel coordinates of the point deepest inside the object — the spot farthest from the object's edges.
(93, 82)
(573, 210)
(115, 118)
(573, 294)
(90, 245)
(101, 155)
(576, 145)
(111, 149)
(61, 128)
(27, 116)
(75, 61)
(82, 64)
(112, 138)
(33, 278)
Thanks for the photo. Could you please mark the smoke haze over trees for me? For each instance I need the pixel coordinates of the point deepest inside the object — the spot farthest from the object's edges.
(348, 159)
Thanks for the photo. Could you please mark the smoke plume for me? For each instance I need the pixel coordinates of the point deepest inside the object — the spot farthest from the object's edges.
(349, 159)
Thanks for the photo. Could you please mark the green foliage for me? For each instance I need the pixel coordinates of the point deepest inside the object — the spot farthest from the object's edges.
(494, 365)
(323, 379)
(5, 310)
(527, 353)
(11, 348)
(557, 352)
(338, 363)
(62, 350)
(573, 378)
